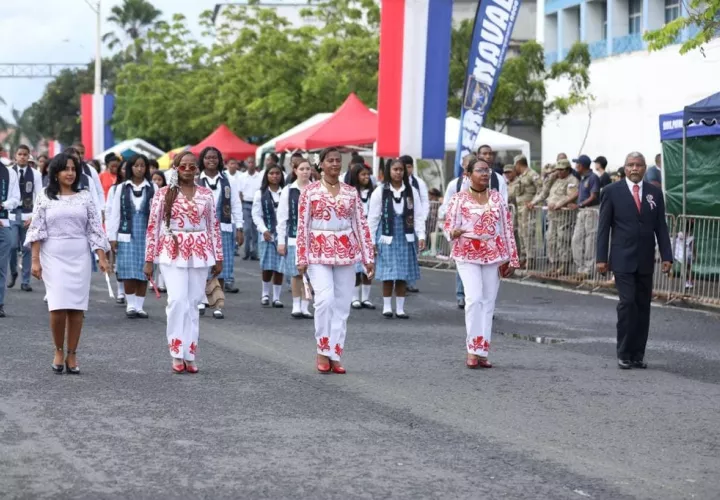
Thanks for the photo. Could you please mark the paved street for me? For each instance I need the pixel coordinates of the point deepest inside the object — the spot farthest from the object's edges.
(550, 421)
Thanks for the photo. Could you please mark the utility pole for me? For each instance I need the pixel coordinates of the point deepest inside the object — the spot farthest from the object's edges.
(98, 108)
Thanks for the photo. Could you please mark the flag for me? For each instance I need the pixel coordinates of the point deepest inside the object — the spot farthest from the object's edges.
(54, 148)
(95, 114)
(414, 77)
(494, 22)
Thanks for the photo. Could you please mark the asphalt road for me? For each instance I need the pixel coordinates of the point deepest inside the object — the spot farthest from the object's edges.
(550, 421)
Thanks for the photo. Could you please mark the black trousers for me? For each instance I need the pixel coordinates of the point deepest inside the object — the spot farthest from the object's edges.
(633, 312)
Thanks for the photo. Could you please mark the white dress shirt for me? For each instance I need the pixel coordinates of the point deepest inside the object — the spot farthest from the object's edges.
(375, 211)
(257, 211)
(37, 186)
(249, 185)
(630, 185)
(283, 214)
(235, 205)
(113, 214)
(13, 196)
(423, 192)
(95, 188)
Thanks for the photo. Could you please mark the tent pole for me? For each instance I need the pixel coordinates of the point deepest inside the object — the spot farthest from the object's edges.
(375, 161)
(684, 169)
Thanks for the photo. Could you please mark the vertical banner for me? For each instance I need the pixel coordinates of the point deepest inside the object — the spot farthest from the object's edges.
(95, 114)
(494, 23)
(413, 77)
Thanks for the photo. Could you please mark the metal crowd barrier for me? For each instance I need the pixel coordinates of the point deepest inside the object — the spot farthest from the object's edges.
(553, 248)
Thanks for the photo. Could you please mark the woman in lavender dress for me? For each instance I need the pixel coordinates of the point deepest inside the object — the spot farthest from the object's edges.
(65, 227)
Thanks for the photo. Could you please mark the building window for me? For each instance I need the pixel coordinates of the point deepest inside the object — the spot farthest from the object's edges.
(634, 17)
(672, 10)
(604, 28)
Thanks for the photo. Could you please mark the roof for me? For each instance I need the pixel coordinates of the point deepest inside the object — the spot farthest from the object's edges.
(705, 111)
(230, 145)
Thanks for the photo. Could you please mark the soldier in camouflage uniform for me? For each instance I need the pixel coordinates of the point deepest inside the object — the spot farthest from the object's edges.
(512, 186)
(561, 192)
(529, 185)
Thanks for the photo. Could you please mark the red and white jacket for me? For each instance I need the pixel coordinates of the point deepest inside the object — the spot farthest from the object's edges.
(489, 236)
(331, 230)
(192, 223)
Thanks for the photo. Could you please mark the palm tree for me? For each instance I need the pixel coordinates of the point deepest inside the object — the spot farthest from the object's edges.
(3, 123)
(23, 131)
(132, 18)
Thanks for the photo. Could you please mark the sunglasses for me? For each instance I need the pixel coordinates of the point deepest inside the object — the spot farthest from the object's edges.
(187, 168)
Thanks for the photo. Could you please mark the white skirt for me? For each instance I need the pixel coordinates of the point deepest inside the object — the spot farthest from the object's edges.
(66, 268)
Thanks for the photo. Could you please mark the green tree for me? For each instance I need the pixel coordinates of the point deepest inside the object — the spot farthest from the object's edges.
(3, 122)
(23, 131)
(701, 14)
(132, 19)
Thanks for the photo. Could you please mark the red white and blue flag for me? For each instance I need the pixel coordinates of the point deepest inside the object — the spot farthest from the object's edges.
(95, 114)
(54, 148)
(414, 77)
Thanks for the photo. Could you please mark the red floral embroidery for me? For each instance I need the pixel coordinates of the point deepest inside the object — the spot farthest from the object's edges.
(175, 345)
(479, 344)
(193, 348)
(324, 344)
(338, 350)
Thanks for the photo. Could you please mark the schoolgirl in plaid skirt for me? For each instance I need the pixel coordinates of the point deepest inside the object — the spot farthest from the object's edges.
(264, 213)
(396, 219)
(126, 230)
(287, 235)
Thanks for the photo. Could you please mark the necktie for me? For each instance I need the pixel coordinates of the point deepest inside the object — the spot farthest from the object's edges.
(636, 196)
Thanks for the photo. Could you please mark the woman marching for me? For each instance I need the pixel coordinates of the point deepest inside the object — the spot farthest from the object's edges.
(64, 226)
(396, 219)
(479, 225)
(333, 236)
(287, 235)
(183, 237)
(109, 202)
(228, 211)
(264, 214)
(361, 180)
(126, 230)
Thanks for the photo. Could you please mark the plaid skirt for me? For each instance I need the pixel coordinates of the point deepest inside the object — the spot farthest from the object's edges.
(270, 259)
(290, 265)
(131, 254)
(397, 261)
(228, 243)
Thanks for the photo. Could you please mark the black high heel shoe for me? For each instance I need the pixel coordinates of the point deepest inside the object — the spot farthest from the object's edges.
(58, 368)
(74, 370)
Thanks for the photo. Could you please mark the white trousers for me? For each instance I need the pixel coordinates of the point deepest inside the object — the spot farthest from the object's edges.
(333, 287)
(185, 289)
(481, 284)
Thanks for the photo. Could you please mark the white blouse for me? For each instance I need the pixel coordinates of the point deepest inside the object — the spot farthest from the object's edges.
(283, 214)
(113, 211)
(235, 205)
(257, 215)
(375, 211)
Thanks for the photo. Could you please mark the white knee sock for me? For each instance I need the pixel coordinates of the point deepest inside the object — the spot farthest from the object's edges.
(266, 288)
(121, 288)
(130, 301)
(139, 303)
(296, 305)
(387, 304)
(304, 306)
(400, 305)
(356, 294)
(277, 289)
(366, 292)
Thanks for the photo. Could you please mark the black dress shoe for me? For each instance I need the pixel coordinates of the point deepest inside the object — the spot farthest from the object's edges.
(388, 314)
(413, 289)
(2, 312)
(246, 257)
(26, 288)
(402, 316)
(461, 303)
(366, 304)
(120, 300)
(639, 364)
(13, 279)
(231, 288)
(624, 364)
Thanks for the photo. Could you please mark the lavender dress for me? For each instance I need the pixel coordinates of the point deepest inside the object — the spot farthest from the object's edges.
(69, 228)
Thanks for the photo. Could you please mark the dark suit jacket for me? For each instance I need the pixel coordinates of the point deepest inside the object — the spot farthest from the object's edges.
(633, 235)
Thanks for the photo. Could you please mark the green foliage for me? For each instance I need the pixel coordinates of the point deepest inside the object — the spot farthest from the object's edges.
(22, 131)
(133, 19)
(702, 14)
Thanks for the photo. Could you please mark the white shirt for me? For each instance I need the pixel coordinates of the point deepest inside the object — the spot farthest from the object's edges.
(249, 185)
(375, 211)
(630, 185)
(113, 215)
(449, 193)
(37, 186)
(13, 196)
(235, 206)
(95, 188)
(423, 191)
(233, 178)
(257, 212)
(109, 201)
(283, 214)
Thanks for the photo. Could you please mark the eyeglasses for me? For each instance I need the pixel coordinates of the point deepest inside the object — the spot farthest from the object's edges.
(481, 170)
(187, 168)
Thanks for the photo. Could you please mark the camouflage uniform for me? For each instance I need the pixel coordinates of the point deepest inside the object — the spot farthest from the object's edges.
(529, 185)
(561, 222)
(512, 188)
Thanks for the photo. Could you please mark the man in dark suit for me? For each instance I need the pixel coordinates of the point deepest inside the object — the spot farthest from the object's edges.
(635, 212)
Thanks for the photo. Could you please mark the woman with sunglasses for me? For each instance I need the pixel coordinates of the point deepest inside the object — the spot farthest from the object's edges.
(479, 225)
(183, 237)
(333, 235)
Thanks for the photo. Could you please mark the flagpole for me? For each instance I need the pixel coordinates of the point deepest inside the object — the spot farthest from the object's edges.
(98, 50)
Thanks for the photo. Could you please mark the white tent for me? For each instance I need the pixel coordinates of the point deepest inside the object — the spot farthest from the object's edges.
(497, 140)
(137, 146)
(269, 146)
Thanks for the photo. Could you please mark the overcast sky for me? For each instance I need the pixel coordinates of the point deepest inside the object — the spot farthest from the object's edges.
(60, 31)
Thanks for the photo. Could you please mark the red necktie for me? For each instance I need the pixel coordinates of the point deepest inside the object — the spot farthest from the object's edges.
(636, 196)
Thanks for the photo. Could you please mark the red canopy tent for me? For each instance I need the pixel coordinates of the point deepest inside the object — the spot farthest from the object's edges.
(352, 124)
(230, 145)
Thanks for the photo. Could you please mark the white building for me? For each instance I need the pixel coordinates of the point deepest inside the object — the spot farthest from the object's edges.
(631, 86)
